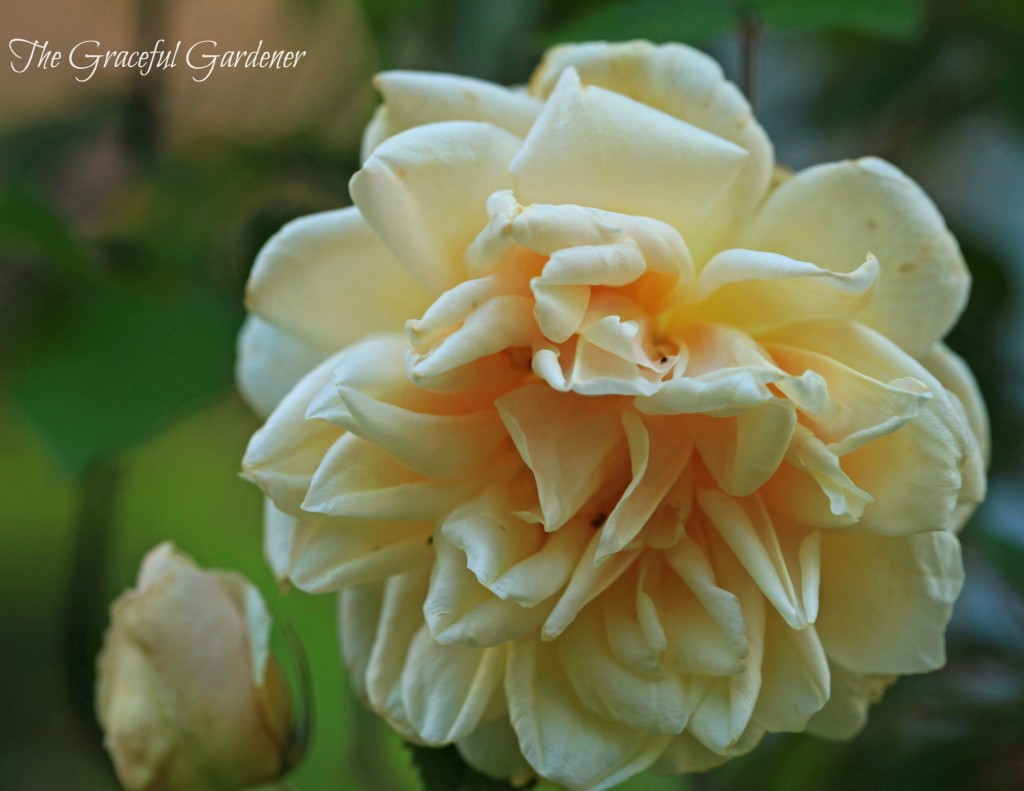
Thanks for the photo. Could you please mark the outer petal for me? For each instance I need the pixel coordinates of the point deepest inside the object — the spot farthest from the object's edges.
(414, 98)
(563, 741)
(847, 709)
(389, 637)
(425, 192)
(330, 554)
(594, 147)
(446, 689)
(915, 474)
(270, 363)
(493, 749)
(686, 84)
(885, 601)
(461, 611)
(328, 280)
(794, 677)
(283, 455)
(278, 531)
(835, 215)
(685, 754)
(954, 374)
(656, 702)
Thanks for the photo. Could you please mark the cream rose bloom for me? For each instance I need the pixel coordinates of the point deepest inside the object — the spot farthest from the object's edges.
(668, 455)
(188, 694)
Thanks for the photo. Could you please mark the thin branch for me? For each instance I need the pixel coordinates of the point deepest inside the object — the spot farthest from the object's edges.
(750, 34)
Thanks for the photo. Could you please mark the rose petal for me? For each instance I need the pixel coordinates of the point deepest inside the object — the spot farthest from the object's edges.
(400, 620)
(758, 291)
(283, 454)
(493, 750)
(461, 611)
(424, 192)
(598, 148)
(270, 363)
(885, 601)
(657, 702)
(565, 441)
(794, 677)
(686, 84)
(278, 531)
(563, 741)
(329, 554)
(850, 698)
(446, 689)
(328, 280)
(836, 214)
(415, 98)
(361, 480)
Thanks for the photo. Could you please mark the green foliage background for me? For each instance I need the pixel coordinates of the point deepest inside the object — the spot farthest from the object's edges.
(119, 306)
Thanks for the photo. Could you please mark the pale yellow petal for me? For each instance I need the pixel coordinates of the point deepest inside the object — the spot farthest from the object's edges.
(328, 280)
(461, 611)
(561, 739)
(446, 689)
(954, 374)
(885, 601)
(424, 192)
(400, 618)
(656, 702)
(850, 697)
(794, 677)
(686, 84)
(914, 473)
(659, 450)
(270, 362)
(758, 291)
(566, 441)
(744, 451)
(588, 581)
(724, 714)
(283, 455)
(594, 147)
(512, 557)
(770, 556)
(863, 408)
(686, 754)
(493, 750)
(278, 533)
(330, 553)
(834, 215)
(361, 480)
(414, 98)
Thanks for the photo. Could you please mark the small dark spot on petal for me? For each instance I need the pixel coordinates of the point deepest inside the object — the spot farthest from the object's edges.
(430, 540)
(598, 521)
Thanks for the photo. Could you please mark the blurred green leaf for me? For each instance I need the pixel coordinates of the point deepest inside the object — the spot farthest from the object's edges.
(657, 20)
(31, 227)
(1006, 556)
(698, 20)
(117, 365)
(875, 17)
(442, 769)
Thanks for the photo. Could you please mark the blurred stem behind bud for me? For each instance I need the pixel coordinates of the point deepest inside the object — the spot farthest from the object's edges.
(85, 611)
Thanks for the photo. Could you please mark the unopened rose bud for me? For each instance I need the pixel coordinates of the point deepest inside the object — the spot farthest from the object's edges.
(188, 694)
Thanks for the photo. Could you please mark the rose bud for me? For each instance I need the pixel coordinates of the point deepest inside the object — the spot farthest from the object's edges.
(188, 694)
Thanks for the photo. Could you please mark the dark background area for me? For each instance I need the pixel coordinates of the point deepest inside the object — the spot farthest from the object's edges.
(131, 209)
